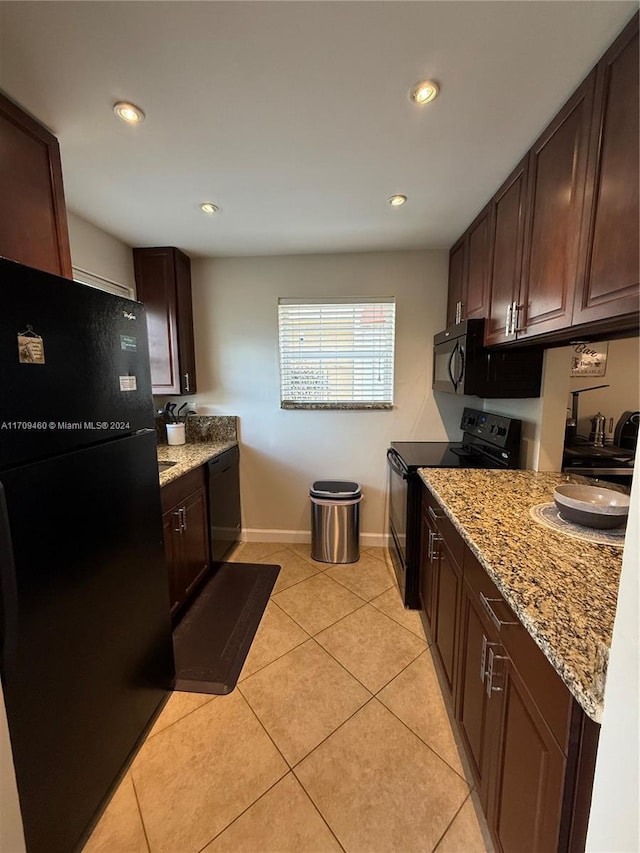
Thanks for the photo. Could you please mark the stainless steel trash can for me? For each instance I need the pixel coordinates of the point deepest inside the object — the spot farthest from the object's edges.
(335, 521)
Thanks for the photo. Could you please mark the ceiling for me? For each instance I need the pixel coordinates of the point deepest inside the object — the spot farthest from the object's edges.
(294, 117)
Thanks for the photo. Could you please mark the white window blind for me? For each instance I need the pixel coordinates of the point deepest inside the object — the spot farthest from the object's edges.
(336, 353)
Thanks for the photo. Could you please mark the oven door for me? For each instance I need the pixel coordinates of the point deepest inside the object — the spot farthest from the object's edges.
(398, 491)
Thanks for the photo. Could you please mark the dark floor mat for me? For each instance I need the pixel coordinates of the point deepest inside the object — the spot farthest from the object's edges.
(215, 635)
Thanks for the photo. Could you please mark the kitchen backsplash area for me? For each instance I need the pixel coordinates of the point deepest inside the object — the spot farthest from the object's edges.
(203, 428)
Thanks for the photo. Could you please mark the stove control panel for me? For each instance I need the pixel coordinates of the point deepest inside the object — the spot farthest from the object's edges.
(498, 430)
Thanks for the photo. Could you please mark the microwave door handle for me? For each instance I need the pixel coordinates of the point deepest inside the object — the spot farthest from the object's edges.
(461, 373)
(392, 459)
(451, 357)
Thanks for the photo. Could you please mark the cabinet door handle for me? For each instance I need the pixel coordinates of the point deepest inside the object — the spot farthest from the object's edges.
(187, 383)
(491, 673)
(507, 325)
(486, 603)
(483, 658)
(430, 546)
(177, 514)
(434, 515)
(460, 311)
(515, 315)
(486, 646)
(435, 553)
(183, 518)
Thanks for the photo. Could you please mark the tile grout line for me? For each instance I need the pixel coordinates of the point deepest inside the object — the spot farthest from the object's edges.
(368, 600)
(371, 696)
(337, 729)
(264, 666)
(313, 803)
(428, 745)
(263, 727)
(244, 811)
(364, 604)
(184, 716)
(450, 824)
(144, 828)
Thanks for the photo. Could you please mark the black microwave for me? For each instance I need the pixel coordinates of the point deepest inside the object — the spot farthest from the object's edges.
(463, 365)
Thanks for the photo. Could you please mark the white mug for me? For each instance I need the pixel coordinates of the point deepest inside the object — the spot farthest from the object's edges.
(175, 433)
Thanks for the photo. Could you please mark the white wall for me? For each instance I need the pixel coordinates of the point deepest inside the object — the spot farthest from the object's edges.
(283, 451)
(99, 253)
(544, 418)
(623, 393)
(613, 823)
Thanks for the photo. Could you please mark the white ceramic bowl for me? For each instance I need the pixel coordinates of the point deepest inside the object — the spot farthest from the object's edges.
(591, 506)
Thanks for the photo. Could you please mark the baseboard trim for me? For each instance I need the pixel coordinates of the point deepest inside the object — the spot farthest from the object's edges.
(254, 534)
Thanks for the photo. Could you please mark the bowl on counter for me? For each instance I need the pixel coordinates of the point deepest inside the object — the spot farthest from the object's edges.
(591, 506)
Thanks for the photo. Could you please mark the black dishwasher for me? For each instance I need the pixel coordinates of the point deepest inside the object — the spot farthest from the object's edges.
(224, 503)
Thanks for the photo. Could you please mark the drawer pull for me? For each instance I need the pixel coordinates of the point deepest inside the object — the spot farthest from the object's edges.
(486, 603)
(434, 515)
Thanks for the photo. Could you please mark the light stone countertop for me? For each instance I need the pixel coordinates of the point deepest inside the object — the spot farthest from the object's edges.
(188, 456)
(563, 590)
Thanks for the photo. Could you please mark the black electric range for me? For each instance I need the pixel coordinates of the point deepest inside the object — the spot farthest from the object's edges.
(609, 463)
(489, 441)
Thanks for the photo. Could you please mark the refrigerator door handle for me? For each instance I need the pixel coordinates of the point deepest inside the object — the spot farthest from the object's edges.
(8, 589)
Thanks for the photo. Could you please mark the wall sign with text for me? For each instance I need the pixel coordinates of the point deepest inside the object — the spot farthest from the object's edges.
(589, 360)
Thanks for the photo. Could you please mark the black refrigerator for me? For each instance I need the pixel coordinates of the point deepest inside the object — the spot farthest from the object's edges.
(86, 654)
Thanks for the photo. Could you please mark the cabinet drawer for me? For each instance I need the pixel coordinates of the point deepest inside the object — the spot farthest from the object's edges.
(176, 491)
(547, 690)
(446, 529)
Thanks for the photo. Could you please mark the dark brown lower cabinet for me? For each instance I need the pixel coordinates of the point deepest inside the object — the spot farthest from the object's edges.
(440, 583)
(448, 580)
(478, 717)
(427, 567)
(186, 536)
(530, 771)
(530, 746)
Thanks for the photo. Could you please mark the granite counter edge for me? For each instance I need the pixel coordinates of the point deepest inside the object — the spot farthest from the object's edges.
(591, 704)
(189, 456)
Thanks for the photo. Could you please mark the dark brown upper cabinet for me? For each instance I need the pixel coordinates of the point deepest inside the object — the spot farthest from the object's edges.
(555, 195)
(609, 249)
(468, 272)
(563, 228)
(537, 216)
(506, 239)
(163, 282)
(33, 218)
(456, 280)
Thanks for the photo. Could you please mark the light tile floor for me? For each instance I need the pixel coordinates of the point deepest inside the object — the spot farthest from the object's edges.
(335, 739)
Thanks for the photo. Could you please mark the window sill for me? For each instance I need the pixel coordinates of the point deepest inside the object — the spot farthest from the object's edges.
(360, 407)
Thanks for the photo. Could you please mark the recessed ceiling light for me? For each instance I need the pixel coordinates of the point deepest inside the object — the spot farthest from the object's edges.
(423, 92)
(209, 207)
(397, 200)
(128, 112)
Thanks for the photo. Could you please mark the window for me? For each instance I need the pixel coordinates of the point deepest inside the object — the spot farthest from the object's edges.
(336, 353)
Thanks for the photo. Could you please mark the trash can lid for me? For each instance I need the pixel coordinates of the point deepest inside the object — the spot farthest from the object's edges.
(339, 490)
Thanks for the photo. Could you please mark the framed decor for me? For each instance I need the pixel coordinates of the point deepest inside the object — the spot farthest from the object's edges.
(589, 359)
